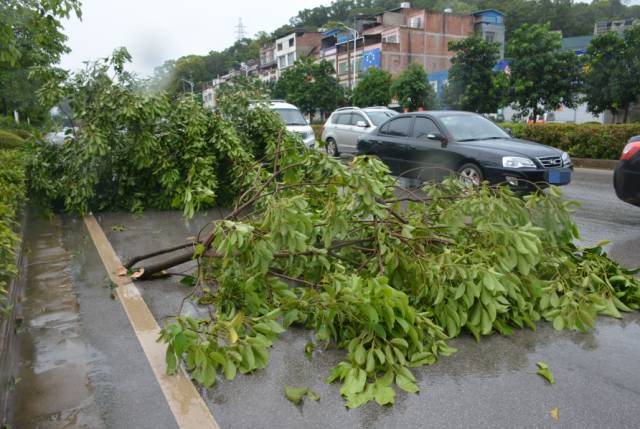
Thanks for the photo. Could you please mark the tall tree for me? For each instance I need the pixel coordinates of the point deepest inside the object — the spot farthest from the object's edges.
(31, 39)
(611, 77)
(374, 89)
(412, 88)
(473, 84)
(542, 77)
(310, 86)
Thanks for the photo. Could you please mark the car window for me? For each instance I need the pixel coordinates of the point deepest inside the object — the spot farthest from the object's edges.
(291, 116)
(424, 126)
(469, 127)
(378, 117)
(343, 119)
(399, 127)
(355, 117)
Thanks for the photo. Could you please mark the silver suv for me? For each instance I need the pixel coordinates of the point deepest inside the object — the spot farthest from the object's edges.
(345, 125)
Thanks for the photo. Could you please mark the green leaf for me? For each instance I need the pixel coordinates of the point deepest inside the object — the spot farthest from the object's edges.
(295, 394)
(405, 384)
(543, 371)
(308, 349)
(384, 394)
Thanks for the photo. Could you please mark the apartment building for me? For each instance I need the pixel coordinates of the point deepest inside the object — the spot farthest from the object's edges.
(293, 46)
(394, 39)
(268, 68)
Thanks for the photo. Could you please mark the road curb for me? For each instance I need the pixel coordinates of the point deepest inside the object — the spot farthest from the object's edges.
(602, 164)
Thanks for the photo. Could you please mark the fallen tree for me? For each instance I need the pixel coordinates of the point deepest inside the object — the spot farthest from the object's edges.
(387, 273)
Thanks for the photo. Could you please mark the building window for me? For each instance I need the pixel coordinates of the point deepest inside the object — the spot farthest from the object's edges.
(490, 36)
(291, 58)
(391, 38)
(279, 46)
(282, 61)
(343, 67)
(291, 42)
(415, 22)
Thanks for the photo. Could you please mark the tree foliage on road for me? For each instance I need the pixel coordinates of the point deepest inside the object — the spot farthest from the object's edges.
(373, 89)
(134, 150)
(412, 88)
(611, 78)
(385, 273)
(542, 77)
(30, 37)
(310, 86)
(473, 85)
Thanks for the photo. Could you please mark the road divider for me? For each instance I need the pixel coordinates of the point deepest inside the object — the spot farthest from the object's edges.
(186, 404)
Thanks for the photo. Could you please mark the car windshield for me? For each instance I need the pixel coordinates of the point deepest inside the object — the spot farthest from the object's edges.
(379, 116)
(291, 116)
(472, 127)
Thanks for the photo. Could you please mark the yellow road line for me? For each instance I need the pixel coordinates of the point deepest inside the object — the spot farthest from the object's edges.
(185, 402)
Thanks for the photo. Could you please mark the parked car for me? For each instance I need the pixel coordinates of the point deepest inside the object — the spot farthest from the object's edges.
(345, 125)
(294, 120)
(431, 145)
(626, 177)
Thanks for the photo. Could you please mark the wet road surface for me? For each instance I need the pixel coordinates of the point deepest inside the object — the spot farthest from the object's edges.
(490, 384)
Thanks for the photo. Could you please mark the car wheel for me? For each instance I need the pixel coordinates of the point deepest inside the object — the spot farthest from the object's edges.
(470, 174)
(332, 148)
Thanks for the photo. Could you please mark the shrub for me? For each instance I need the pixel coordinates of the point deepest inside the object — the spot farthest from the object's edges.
(9, 140)
(579, 140)
(12, 194)
(317, 130)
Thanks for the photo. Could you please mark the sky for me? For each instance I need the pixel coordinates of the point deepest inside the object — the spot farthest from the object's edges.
(157, 30)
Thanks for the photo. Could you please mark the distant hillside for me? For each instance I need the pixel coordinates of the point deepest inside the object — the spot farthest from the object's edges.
(572, 18)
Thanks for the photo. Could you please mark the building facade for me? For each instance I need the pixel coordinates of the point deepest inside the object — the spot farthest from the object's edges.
(293, 46)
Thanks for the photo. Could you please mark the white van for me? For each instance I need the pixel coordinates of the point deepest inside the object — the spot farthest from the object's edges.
(294, 121)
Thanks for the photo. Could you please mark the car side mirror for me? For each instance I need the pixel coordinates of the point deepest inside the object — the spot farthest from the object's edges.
(362, 124)
(437, 136)
(509, 131)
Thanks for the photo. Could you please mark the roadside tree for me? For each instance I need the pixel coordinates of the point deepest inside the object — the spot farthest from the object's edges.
(412, 88)
(473, 85)
(542, 77)
(611, 81)
(310, 86)
(374, 89)
(30, 39)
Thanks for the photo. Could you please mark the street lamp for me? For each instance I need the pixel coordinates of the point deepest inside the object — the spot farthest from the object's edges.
(355, 37)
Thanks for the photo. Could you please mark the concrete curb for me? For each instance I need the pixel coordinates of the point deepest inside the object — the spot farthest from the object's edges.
(603, 164)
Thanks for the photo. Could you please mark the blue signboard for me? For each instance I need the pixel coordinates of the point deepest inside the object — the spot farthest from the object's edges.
(371, 58)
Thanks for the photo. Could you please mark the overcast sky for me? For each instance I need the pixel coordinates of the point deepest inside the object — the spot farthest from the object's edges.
(158, 30)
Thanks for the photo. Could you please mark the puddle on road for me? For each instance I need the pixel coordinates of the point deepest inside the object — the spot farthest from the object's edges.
(54, 389)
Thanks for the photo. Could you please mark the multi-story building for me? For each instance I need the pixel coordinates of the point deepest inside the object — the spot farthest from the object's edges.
(617, 26)
(268, 68)
(394, 39)
(293, 46)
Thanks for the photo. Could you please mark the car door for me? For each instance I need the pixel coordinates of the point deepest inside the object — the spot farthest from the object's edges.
(354, 131)
(395, 137)
(426, 153)
(342, 129)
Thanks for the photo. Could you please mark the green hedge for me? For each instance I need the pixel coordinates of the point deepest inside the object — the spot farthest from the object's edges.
(9, 140)
(579, 140)
(12, 195)
(317, 129)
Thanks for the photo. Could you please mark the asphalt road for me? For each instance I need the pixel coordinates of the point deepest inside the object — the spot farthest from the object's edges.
(487, 384)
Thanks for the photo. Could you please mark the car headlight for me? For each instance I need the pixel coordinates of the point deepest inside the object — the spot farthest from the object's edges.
(517, 162)
(566, 160)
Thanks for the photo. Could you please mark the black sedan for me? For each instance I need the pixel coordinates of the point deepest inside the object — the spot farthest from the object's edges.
(431, 145)
(626, 178)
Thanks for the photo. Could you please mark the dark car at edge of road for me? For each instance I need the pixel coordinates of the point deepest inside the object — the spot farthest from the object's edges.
(626, 177)
(429, 146)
